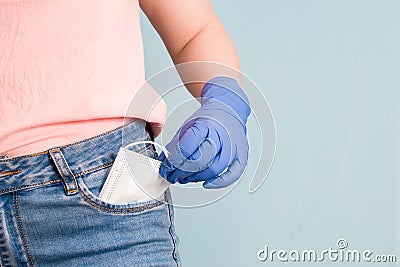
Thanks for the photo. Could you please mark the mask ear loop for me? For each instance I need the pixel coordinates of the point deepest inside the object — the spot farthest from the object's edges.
(166, 153)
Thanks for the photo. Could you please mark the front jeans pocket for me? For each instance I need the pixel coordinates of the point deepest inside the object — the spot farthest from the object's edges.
(79, 230)
(89, 188)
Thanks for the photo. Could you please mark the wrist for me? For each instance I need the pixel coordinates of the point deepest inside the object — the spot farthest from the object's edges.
(228, 93)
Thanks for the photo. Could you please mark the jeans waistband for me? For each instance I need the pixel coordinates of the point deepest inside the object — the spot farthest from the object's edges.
(73, 159)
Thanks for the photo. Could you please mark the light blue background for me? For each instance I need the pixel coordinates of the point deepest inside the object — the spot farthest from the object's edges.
(330, 71)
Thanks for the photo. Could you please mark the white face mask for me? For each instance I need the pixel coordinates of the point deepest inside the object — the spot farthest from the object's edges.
(134, 178)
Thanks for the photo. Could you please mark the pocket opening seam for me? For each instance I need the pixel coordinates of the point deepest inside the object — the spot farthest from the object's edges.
(137, 208)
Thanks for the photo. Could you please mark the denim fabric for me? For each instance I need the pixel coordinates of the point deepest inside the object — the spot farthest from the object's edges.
(50, 214)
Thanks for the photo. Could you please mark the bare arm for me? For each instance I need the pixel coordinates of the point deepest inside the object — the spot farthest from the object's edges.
(191, 31)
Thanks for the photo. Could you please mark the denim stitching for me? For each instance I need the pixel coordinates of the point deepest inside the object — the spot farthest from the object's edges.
(121, 210)
(65, 184)
(24, 156)
(94, 169)
(106, 165)
(22, 231)
(5, 174)
(172, 236)
(73, 177)
(65, 180)
(28, 186)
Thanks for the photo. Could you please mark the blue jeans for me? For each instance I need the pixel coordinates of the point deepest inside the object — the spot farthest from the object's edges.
(50, 214)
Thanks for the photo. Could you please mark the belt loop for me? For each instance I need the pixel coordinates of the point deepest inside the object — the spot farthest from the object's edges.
(69, 181)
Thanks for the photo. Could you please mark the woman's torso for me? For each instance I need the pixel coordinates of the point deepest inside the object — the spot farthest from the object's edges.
(68, 69)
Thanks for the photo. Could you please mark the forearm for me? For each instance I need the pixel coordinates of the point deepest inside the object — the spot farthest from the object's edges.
(212, 44)
(213, 147)
(192, 32)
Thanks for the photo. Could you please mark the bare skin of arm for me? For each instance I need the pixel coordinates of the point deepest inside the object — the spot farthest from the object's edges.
(191, 31)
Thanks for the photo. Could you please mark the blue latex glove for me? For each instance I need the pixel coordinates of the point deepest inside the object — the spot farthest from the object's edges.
(211, 145)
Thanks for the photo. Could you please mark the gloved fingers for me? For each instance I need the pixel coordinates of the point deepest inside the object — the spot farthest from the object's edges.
(183, 145)
(220, 163)
(161, 157)
(198, 161)
(166, 166)
(233, 173)
(213, 170)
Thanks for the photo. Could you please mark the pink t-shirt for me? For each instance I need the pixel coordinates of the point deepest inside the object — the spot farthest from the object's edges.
(68, 71)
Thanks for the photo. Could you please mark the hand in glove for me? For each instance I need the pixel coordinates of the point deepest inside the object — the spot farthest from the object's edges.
(211, 145)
